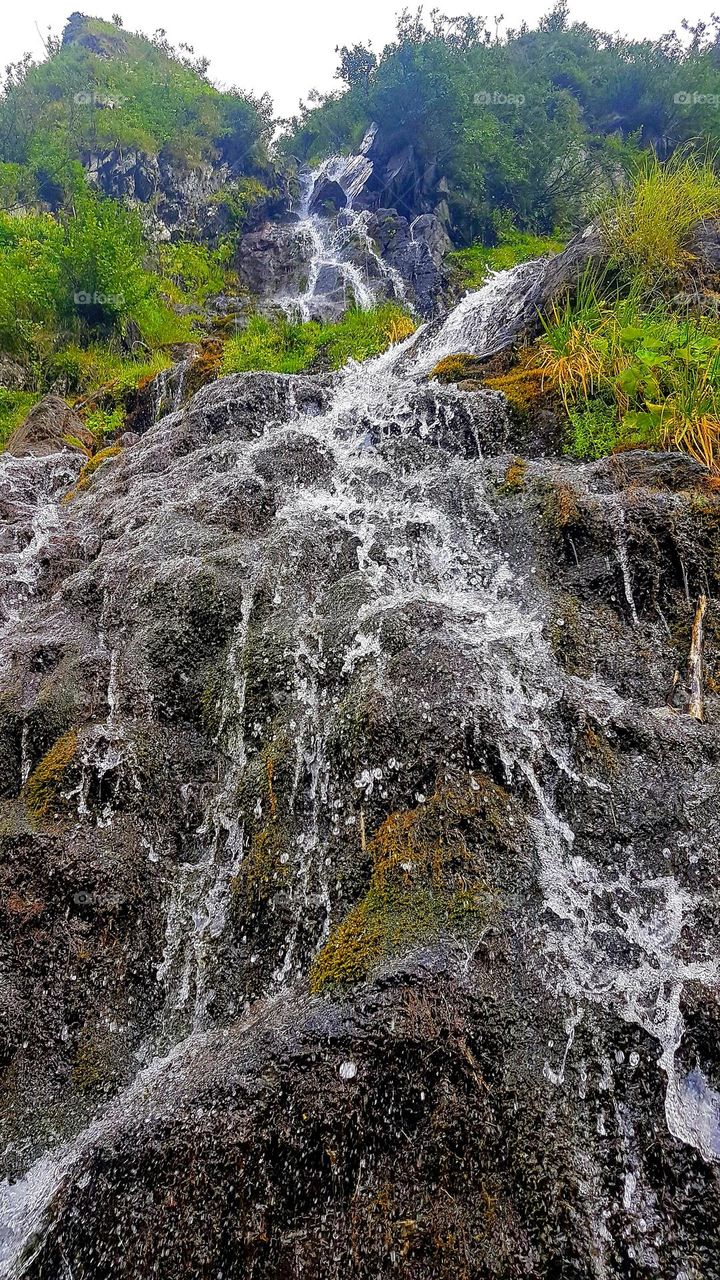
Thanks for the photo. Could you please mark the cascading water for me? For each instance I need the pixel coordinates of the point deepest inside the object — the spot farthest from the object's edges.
(345, 268)
(382, 494)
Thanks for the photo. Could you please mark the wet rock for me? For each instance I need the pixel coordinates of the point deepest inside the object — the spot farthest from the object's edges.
(416, 251)
(273, 260)
(327, 195)
(334, 731)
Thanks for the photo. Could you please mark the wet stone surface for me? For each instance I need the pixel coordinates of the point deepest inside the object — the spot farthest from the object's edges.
(359, 884)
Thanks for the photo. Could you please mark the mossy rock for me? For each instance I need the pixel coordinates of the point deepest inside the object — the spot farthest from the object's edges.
(515, 474)
(43, 789)
(87, 472)
(458, 368)
(524, 388)
(264, 869)
(205, 368)
(428, 879)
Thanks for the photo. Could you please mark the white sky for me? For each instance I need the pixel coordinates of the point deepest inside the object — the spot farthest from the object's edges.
(287, 47)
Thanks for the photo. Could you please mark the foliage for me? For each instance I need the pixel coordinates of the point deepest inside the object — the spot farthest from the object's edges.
(472, 266)
(14, 408)
(529, 123)
(646, 226)
(81, 272)
(104, 88)
(634, 373)
(286, 347)
(594, 429)
(240, 198)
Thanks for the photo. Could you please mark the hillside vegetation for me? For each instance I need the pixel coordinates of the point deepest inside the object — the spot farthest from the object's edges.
(526, 134)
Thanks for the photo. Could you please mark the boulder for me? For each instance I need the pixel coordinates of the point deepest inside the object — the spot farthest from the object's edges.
(45, 430)
(416, 251)
(273, 260)
(327, 195)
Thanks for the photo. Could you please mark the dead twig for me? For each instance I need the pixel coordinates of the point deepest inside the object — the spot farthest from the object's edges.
(695, 664)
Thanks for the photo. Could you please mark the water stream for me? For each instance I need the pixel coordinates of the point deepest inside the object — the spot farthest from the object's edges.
(423, 534)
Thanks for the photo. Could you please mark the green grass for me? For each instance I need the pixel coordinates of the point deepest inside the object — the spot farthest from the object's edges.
(646, 225)
(633, 373)
(285, 347)
(473, 265)
(14, 407)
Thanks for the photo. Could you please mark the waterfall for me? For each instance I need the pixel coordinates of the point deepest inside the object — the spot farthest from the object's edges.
(397, 491)
(335, 244)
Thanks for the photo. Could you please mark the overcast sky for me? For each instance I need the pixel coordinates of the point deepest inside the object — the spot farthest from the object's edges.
(287, 47)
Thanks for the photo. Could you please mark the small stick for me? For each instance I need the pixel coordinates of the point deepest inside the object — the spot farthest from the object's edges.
(363, 840)
(695, 664)
(670, 697)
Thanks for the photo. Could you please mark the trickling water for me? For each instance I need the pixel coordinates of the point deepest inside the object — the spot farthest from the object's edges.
(421, 525)
(472, 327)
(336, 244)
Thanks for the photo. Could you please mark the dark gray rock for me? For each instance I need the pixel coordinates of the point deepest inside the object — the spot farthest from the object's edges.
(417, 252)
(274, 260)
(360, 887)
(327, 195)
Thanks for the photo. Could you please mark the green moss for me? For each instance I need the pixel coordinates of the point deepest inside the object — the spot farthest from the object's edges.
(50, 718)
(264, 869)
(427, 879)
(89, 469)
(98, 1059)
(43, 787)
(457, 368)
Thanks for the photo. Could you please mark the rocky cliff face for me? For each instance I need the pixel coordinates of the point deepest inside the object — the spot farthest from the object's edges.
(359, 879)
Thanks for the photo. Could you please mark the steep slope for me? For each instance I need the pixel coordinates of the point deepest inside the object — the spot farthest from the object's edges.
(351, 846)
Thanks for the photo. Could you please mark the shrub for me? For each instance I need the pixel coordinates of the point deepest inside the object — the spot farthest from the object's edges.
(646, 225)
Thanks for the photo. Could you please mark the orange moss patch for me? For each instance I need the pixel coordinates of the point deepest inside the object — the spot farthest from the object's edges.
(42, 788)
(522, 386)
(561, 506)
(457, 368)
(206, 367)
(515, 475)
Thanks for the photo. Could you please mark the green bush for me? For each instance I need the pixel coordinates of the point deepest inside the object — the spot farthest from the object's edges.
(14, 408)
